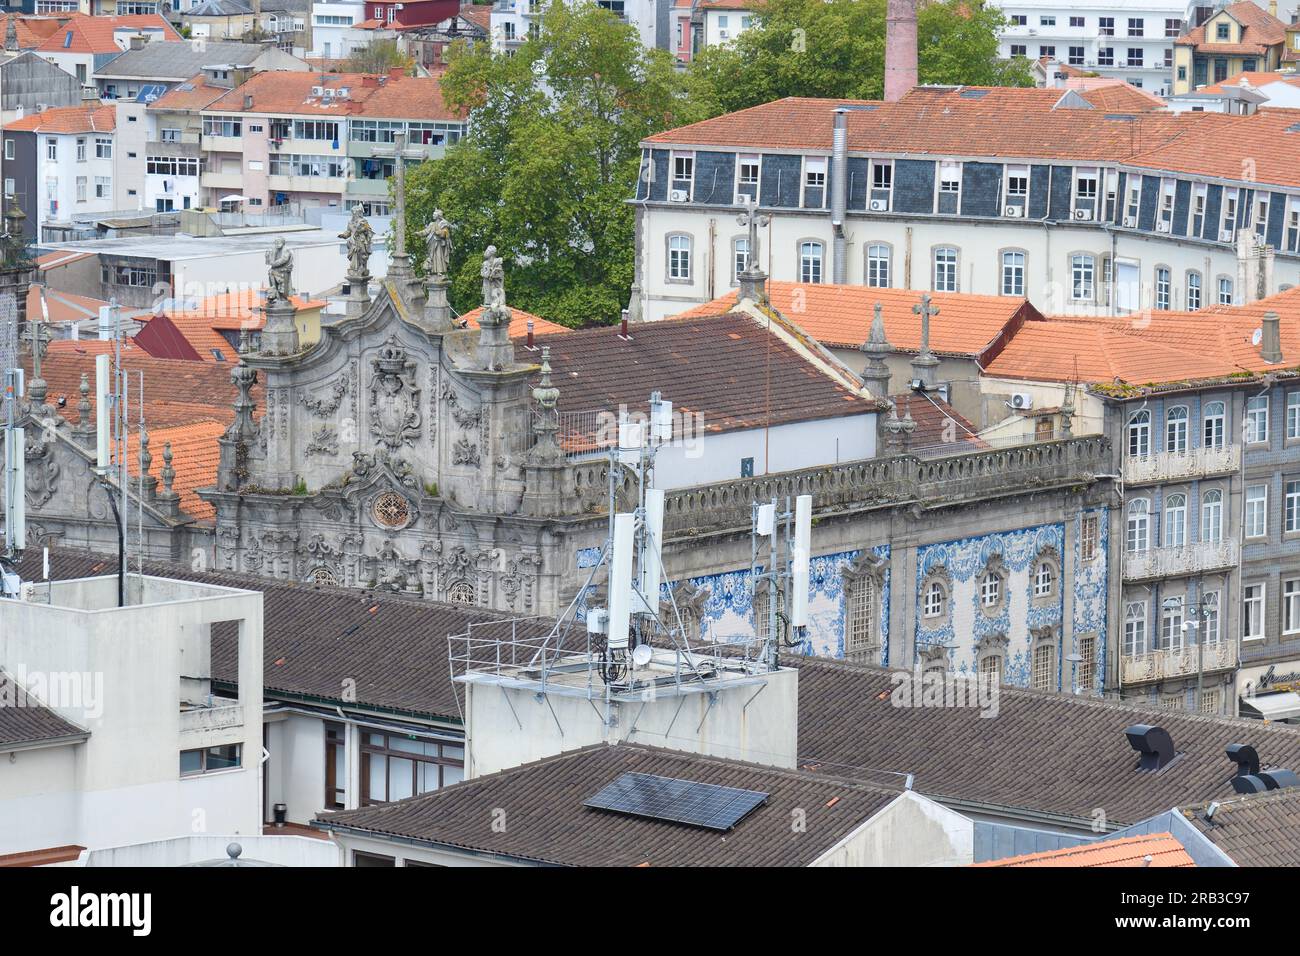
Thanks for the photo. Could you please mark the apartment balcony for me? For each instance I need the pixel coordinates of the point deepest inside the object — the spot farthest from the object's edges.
(1191, 559)
(187, 145)
(220, 715)
(368, 188)
(1181, 466)
(222, 144)
(307, 184)
(1182, 661)
(233, 181)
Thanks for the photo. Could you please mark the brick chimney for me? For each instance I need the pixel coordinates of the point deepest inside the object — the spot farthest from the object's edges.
(900, 49)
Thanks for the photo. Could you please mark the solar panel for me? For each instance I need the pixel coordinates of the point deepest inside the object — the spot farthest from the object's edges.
(677, 801)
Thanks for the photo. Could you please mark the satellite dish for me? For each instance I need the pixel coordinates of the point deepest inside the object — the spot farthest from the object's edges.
(1256, 336)
(641, 655)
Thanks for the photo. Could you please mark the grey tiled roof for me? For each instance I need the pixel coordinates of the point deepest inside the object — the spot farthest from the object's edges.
(24, 720)
(1259, 829)
(1044, 753)
(546, 821)
(178, 61)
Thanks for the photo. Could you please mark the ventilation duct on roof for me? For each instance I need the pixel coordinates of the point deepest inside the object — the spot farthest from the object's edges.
(1154, 744)
(1248, 783)
(1245, 757)
(1279, 779)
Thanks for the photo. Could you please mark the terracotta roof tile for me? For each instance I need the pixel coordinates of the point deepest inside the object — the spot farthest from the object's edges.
(290, 92)
(32, 31)
(195, 94)
(1155, 850)
(839, 316)
(95, 34)
(68, 119)
(479, 14)
(544, 800)
(1120, 97)
(519, 320)
(1260, 30)
(1251, 78)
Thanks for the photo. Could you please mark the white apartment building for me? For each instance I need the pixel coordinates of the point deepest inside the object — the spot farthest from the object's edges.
(697, 24)
(514, 21)
(70, 155)
(1130, 40)
(112, 734)
(331, 28)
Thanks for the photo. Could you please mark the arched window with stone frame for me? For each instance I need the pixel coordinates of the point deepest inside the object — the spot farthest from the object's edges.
(689, 604)
(863, 594)
(1042, 658)
(991, 589)
(991, 656)
(936, 595)
(1045, 582)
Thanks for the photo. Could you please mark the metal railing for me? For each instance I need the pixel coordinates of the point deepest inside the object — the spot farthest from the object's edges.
(1181, 661)
(1197, 558)
(1176, 466)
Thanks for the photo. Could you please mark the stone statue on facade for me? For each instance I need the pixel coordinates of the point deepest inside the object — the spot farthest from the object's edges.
(279, 261)
(359, 238)
(437, 238)
(494, 280)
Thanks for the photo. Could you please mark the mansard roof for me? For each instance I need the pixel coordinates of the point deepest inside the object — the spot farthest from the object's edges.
(732, 370)
(1019, 124)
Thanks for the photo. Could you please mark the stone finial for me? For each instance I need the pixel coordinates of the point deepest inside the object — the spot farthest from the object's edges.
(545, 450)
(15, 242)
(84, 423)
(243, 378)
(925, 363)
(148, 482)
(168, 472)
(877, 348)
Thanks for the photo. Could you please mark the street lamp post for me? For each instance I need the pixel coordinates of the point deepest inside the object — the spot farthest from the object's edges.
(1196, 613)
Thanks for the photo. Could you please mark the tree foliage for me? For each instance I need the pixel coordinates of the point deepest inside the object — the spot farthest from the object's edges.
(377, 56)
(836, 48)
(549, 163)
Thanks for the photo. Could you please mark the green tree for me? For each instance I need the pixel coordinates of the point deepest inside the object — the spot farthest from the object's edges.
(836, 48)
(377, 56)
(549, 163)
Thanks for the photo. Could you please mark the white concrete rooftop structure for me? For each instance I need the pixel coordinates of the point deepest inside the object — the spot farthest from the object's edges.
(164, 757)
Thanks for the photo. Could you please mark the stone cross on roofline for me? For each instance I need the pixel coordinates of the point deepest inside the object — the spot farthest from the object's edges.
(400, 263)
(752, 278)
(925, 363)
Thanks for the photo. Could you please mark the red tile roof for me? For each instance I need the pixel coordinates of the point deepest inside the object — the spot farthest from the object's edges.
(96, 34)
(195, 456)
(1155, 850)
(839, 316)
(519, 320)
(289, 92)
(966, 121)
(479, 14)
(31, 31)
(1253, 78)
(63, 307)
(1260, 30)
(68, 119)
(194, 94)
(1119, 97)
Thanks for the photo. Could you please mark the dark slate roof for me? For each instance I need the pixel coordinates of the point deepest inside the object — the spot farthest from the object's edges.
(730, 369)
(25, 720)
(547, 822)
(1043, 753)
(316, 638)
(1259, 829)
(178, 61)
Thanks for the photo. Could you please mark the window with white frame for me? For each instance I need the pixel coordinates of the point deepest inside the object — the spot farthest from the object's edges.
(1137, 531)
(882, 174)
(949, 177)
(1291, 507)
(878, 265)
(1293, 416)
(1291, 606)
(935, 600)
(1044, 579)
(1252, 612)
(747, 170)
(679, 258)
(1082, 269)
(739, 258)
(1162, 288)
(103, 148)
(1089, 537)
(1197, 213)
(1225, 290)
(1214, 425)
(103, 187)
(1171, 625)
(1293, 221)
(1087, 672)
(1175, 520)
(1139, 434)
(51, 148)
(683, 171)
(1256, 425)
(1176, 430)
(1136, 26)
(1017, 182)
(1211, 627)
(1228, 224)
(1135, 628)
(945, 269)
(811, 254)
(990, 590)
(1261, 215)
(1212, 516)
(81, 189)
(1085, 185)
(1013, 273)
(1256, 517)
(1193, 291)
(862, 615)
(991, 669)
(814, 178)
(81, 149)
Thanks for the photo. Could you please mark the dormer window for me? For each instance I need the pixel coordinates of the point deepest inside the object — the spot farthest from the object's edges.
(1223, 32)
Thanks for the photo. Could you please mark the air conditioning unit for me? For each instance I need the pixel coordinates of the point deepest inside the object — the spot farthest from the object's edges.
(1014, 212)
(879, 205)
(1083, 214)
(1162, 226)
(1130, 222)
(1022, 401)
(317, 91)
(723, 35)
(679, 195)
(1225, 235)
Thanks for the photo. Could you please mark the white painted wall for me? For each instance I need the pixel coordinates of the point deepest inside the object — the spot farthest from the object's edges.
(911, 831)
(281, 850)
